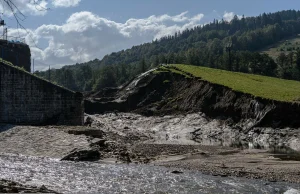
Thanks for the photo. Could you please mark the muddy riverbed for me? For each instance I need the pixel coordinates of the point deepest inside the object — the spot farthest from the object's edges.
(90, 177)
(181, 142)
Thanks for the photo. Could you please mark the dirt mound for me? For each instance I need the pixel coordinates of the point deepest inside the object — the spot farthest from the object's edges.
(162, 93)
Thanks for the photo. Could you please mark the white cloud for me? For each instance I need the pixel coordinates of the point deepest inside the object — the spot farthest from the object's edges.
(65, 3)
(25, 6)
(35, 7)
(228, 16)
(86, 36)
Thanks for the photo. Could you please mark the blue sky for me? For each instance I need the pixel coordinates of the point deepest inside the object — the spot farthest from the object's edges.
(75, 31)
(121, 10)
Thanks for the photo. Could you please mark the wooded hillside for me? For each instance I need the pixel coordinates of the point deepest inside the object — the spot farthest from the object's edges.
(224, 45)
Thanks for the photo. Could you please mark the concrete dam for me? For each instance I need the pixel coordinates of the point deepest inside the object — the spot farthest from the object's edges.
(29, 100)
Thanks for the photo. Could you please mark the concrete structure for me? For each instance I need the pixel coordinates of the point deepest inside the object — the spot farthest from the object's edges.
(27, 99)
(17, 53)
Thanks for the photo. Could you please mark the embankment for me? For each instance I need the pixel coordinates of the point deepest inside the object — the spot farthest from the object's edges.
(166, 92)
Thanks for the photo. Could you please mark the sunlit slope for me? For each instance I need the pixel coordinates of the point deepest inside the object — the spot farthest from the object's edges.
(285, 46)
(261, 86)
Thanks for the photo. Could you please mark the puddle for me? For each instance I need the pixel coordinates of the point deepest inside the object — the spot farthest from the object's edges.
(281, 152)
(286, 153)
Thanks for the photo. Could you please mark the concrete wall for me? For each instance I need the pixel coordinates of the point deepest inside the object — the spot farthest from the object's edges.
(26, 99)
(16, 53)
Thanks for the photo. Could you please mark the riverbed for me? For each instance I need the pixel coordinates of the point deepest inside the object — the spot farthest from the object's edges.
(206, 156)
(87, 177)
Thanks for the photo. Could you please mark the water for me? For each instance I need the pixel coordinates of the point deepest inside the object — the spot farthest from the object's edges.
(71, 177)
(281, 152)
(285, 153)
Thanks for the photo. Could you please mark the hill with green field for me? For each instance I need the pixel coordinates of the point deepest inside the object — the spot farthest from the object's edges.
(285, 46)
(256, 85)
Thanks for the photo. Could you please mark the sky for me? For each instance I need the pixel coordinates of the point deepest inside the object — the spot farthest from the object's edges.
(65, 32)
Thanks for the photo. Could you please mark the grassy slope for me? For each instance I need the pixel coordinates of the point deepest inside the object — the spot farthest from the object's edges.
(261, 86)
(283, 46)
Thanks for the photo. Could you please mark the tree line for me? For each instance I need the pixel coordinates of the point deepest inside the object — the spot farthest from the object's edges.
(225, 45)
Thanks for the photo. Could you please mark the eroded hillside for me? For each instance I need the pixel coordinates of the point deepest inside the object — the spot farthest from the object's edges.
(178, 89)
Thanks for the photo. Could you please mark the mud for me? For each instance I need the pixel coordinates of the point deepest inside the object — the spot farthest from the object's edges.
(196, 142)
(191, 141)
(254, 164)
(48, 141)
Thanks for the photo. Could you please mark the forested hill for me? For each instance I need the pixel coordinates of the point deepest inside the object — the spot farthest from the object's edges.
(220, 44)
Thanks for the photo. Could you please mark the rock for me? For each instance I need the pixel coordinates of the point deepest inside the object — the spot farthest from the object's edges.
(125, 156)
(176, 172)
(83, 155)
(96, 133)
(110, 143)
(43, 188)
(97, 141)
(88, 120)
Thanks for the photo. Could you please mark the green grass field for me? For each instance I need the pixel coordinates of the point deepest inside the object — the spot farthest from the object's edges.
(285, 46)
(261, 86)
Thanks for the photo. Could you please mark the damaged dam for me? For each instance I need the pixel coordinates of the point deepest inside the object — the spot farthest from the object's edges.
(29, 100)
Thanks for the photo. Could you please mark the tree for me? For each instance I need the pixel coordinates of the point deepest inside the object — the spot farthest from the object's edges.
(283, 66)
(156, 61)
(162, 59)
(106, 78)
(205, 46)
(143, 65)
(290, 57)
(69, 79)
(298, 59)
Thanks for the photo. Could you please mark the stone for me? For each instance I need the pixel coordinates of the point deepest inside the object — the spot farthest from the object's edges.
(176, 172)
(88, 120)
(83, 155)
(97, 141)
(95, 133)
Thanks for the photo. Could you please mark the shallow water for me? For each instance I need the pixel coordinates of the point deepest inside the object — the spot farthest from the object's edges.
(281, 152)
(285, 153)
(105, 178)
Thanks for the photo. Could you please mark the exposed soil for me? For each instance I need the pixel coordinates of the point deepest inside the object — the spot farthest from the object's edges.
(254, 164)
(196, 143)
(168, 93)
